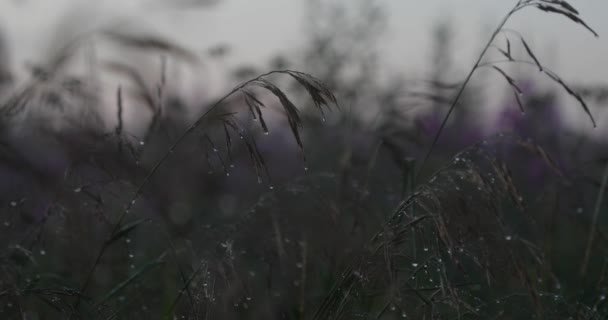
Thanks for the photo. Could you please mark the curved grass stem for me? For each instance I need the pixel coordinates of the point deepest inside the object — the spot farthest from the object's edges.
(158, 165)
(488, 45)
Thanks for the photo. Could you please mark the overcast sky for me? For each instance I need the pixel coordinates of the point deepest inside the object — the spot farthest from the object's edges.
(257, 29)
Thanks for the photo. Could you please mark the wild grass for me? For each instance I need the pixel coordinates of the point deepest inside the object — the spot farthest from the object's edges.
(123, 225)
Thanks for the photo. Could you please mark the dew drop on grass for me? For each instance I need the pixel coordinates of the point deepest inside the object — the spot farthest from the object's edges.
(13, 204)
(7, 224)
(579, 210)
(414, 264)
(77, 190)
(266, 133)
(42, 252)
(231, 165)
(215, 150)
(141, 143)
(227, 174)
(403, 315)
(426, 249)
(508, 238)
(128, 240)
(271, 187)
(131, 256)
(248, 298)
(393, 308)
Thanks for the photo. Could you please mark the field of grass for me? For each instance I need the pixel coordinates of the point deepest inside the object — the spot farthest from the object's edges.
(300, 195)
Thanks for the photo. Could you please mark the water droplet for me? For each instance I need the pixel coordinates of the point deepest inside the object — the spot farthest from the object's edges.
(248, 298)
(131, 256)
(603, 297)
(414, 264)
(403, 315)
(426, 249)
(299, 265)
(508, 238)
(13, 204)
(231, 165)
(128, 240)
(579, 210)
(77, 190)
(393, 308)
(215, 150)
(42, 252)
(141, 143)
(7, 224)
(227, 174)
(305, 168)
(266, 133)
(132, 266)
(271, 187)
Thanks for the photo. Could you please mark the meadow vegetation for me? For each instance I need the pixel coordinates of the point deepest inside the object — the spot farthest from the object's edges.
(327, 193)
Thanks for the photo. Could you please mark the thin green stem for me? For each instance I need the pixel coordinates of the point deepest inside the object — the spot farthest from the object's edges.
(596, 213)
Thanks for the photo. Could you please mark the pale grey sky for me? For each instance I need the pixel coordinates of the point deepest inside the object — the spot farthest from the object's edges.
(257, 29)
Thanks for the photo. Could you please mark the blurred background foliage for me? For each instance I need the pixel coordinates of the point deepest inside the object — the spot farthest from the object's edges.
(505, 203)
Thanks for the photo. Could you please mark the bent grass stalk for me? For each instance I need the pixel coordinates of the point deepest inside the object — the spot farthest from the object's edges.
(560, 7)
(316, 89)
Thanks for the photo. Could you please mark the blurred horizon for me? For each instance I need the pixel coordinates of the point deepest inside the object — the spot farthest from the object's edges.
(231, 35)
(255, 31)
